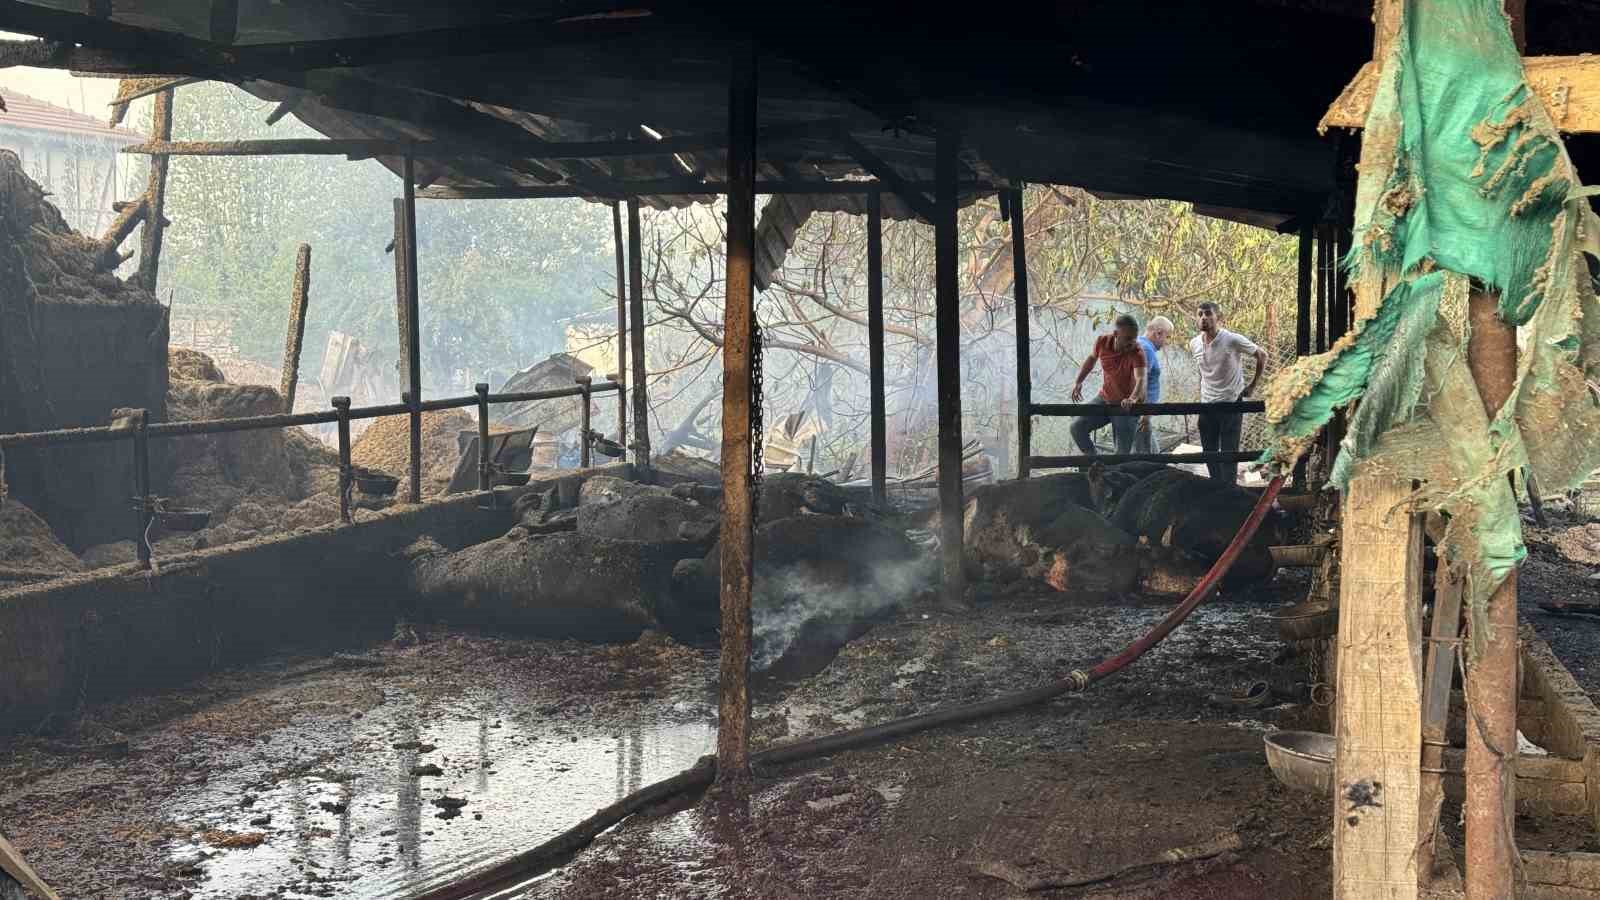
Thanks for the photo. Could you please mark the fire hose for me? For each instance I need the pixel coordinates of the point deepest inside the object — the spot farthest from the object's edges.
(540, 859)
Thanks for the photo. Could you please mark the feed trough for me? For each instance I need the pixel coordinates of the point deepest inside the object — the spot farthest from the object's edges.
(375, 484)
(180, 518)
(1303, 760)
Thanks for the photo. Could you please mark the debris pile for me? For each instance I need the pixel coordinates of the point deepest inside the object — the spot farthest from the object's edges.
(386, 447)
(76, 342)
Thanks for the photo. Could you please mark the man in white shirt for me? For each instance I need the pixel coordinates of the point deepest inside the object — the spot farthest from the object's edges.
(1217, 353)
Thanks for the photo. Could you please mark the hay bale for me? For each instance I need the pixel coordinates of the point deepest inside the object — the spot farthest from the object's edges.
(386, 447)
(192, 365)
(26, 542)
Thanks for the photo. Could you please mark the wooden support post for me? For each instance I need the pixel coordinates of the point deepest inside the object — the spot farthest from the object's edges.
(738, 527)
(621, 376)
(1379, 688)
(402, 310)
(1019, 290)
(1444, 637)
(947, 321)
(641, 398)
(155, 193)
(289, 377)
(880, 426)
(18, 879)
(1324, 289)
(1342, 302)
(413, 334)
(1302, 297)
(1491, 677)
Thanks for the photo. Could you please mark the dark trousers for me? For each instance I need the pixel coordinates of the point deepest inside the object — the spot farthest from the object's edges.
(1122, 430)
(1219, 432)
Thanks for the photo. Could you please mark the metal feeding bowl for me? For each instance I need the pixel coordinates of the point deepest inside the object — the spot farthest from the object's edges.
(375, 484)
(1307, 621)
(512, 479)
(179, 518)
(608, 447)
(1303, 760)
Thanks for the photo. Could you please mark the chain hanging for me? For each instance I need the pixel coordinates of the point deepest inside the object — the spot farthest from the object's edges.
(757, 425)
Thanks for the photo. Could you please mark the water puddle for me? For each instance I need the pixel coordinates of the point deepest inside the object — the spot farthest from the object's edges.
(349, 818)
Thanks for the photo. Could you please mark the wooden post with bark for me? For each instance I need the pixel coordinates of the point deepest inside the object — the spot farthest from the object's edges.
(738, 531)
(880, 424)
(155, 193)
(289, 377)
(641, 397)
(621, 376)
(402, 309)
(947, 344)
(1019, 290)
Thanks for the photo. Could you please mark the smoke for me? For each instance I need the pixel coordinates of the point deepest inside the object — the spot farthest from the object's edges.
(823, 604)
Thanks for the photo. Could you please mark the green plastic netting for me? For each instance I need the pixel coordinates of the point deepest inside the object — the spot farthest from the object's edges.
(1464, 183)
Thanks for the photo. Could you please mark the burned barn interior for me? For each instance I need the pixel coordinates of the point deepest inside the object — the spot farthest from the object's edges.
(357, 636)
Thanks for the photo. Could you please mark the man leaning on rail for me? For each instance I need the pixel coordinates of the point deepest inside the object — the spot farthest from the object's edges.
(1122, 366)
(1217, 353)
(1156, 332)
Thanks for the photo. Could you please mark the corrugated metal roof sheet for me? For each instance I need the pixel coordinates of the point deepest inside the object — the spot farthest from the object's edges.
(23, 111)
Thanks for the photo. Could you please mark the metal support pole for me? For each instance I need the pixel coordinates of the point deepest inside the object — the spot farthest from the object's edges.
(622, 326)
(483, 436)
(880, 427)
(1302, 297)
(641, 399)
(1019, 290)
(141, 475)
(738, 525)
(413, 335)
(1491, 677)
(947, 321)
(346, 475)
(584, 382)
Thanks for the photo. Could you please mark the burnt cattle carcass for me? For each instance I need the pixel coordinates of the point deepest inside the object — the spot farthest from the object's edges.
(1138, 526)
(563, 585)
(820, 581)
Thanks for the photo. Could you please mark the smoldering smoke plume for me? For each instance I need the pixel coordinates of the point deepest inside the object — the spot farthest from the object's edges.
(827, 601)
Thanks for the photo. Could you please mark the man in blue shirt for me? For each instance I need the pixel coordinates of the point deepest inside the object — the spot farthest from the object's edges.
(1154, 338)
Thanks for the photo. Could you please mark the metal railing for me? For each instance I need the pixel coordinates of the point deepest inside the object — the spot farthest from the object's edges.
(1141, 409)
(136, 427)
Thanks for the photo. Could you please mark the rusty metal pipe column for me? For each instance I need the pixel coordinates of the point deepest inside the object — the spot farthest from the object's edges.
(483, 436)
(584, 382)
(1492, 677)
(342, 406)
(621, 375)
(641, 399)
(880, 426)
(1019, 290)
(947, 321)
(738, 526)
(413, 335)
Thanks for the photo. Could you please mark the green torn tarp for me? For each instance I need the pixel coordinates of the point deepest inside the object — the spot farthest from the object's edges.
(1464, 182)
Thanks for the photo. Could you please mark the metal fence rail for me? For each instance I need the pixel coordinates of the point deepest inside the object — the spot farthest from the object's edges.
(137, 428)
(1142, 409)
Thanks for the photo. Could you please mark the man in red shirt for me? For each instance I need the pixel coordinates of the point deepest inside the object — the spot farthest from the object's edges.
(1122, 365)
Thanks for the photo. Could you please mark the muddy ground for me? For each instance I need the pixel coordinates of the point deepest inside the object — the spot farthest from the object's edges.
(338, 774)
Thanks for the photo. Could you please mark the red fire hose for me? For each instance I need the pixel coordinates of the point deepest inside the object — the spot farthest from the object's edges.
(540, 859)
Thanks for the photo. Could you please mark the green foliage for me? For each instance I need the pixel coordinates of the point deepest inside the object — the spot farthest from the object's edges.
(493, 276)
